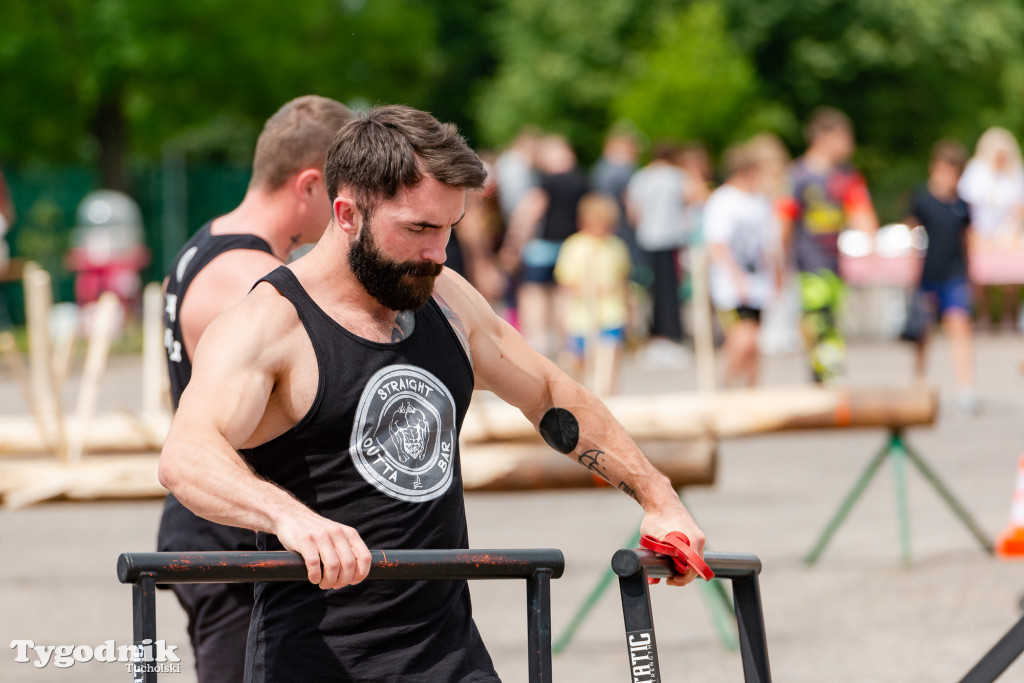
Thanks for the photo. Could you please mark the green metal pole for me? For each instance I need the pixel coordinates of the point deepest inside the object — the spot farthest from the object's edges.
(723, 614)
(846, 505)
(588, 604)
(947, 496)
(899, 471)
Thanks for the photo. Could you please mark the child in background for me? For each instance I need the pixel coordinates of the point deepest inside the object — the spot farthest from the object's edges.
(944, 288)
(826, 196)
(593, 271)
(741, 230)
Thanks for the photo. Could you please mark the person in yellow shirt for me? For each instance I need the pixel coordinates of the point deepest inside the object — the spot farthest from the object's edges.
(592, 271)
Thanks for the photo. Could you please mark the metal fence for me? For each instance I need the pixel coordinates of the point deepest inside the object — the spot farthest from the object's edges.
(175, 200)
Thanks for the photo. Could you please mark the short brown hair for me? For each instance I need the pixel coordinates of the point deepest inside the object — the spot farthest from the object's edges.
(393, 147)
(295, 138)
(950, 151)
(664, 150)
(740, 158)
(825, 120)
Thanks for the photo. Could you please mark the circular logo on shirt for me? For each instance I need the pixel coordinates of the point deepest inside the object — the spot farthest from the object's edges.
(403, 436)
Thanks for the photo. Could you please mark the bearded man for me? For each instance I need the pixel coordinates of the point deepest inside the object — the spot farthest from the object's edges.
(285, 427)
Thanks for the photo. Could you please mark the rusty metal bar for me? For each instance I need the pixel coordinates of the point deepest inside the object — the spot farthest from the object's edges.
(536, 566)
(230, 567)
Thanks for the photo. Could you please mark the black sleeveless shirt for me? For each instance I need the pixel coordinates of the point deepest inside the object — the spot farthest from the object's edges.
(193, 257)
(377, 451)
(180, 529)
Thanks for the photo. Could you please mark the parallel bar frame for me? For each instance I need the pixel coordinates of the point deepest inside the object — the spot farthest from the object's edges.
(997, 660)
(536, 566)
(634, 566)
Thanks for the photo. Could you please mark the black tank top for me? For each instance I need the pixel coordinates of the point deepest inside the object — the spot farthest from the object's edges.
(180, 529)
(564, 191)
(193, 257)
(377, 451)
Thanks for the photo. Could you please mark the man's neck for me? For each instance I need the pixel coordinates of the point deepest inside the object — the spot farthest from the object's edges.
(328, 264)
(943, 194)
(262, 215)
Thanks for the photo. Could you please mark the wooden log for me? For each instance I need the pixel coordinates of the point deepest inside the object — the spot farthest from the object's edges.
(101, 336)
(505, 467)
(28, 481)
(729, 413)
(107, 433)
(156, 397)
(658, 417)
(63, 348)
(45, 402)
(15, 365)
(527, 467)
(703, 327)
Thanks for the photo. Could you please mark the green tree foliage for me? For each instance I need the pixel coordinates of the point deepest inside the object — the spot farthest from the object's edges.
(111, 81)
(694, 82)
(93, 79)
(559, 66)
(906, 71)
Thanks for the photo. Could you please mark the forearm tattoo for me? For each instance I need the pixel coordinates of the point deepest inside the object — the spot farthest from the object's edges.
(592, 460)
(625, 488)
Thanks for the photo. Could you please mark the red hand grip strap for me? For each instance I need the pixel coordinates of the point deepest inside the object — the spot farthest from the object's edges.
(677, 546)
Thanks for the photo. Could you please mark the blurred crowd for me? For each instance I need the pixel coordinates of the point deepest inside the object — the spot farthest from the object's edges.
(589, 263)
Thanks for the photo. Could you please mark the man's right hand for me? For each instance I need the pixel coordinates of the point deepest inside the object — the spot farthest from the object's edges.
(335, 555)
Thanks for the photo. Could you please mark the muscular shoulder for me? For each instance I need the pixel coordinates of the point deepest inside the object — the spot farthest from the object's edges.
(221, 284)
(233, 273)
(257, 329)
(466, 310)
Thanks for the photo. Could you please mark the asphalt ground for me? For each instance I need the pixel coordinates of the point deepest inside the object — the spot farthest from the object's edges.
(858, 615)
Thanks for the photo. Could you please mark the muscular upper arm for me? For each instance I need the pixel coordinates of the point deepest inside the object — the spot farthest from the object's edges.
(502, 360)
(234, 371)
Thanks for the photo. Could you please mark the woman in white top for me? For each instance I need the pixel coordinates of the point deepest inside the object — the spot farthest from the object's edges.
(993, 186)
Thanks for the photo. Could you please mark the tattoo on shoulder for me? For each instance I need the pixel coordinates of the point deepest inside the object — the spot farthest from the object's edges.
(625, 488)
(456, 323)
(592, 461)
(405, 322)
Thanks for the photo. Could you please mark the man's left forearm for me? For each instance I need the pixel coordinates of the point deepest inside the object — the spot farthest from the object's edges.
(603, 446)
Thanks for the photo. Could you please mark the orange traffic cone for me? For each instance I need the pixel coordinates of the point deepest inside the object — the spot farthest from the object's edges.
(1010, 544)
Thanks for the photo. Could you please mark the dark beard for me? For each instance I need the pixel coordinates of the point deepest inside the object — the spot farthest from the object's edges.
(399, 286)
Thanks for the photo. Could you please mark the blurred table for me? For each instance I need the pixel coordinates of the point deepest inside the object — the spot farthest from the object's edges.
(987, 264)
(996, 264)
(873, 269)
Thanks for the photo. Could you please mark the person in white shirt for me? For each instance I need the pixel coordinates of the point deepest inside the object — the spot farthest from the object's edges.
(656, 201)
(741, 230)
(993, 187)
